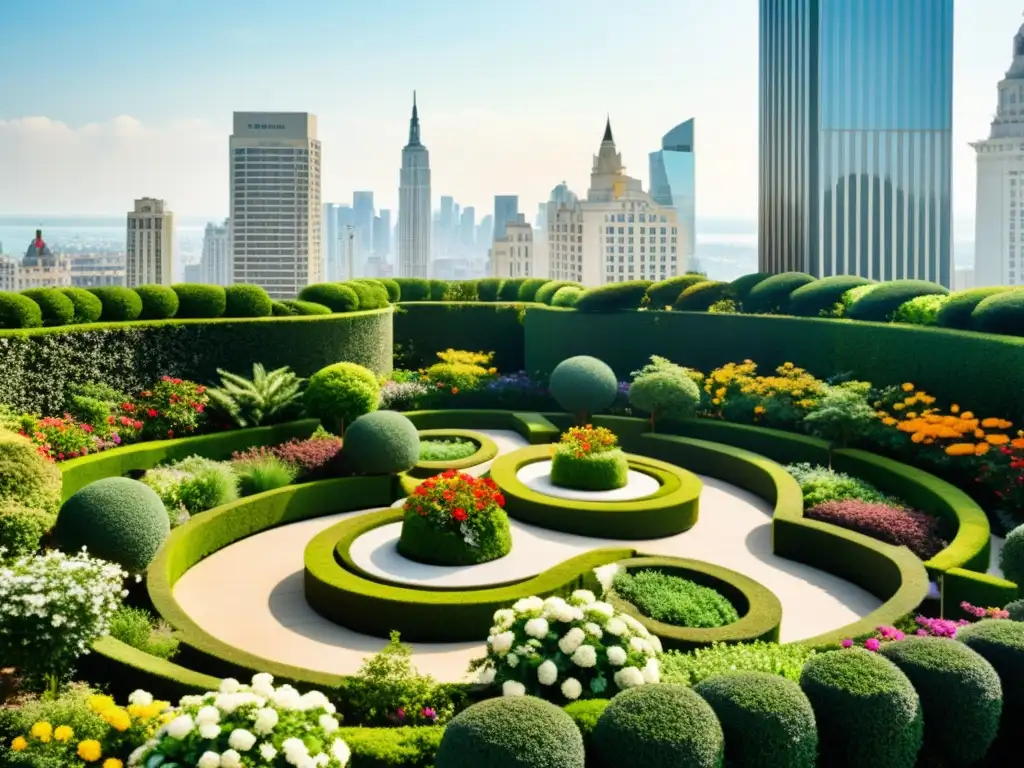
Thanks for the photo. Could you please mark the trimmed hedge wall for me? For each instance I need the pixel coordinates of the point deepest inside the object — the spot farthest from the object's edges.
(39, 364)
(422, 329)
(534, 427)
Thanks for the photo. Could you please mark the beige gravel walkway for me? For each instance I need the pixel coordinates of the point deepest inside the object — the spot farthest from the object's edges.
(250, 594)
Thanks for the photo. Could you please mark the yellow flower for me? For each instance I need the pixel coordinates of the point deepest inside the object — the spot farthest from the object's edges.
(716, 401)
(100, 704)
(908, 387)
(758, 409)
(898, 406)
(117, 719)
(90, 750)
(112, 762)
(19, 744)
(42, 731)
(889, 421)
(63, 733)
(954, 408)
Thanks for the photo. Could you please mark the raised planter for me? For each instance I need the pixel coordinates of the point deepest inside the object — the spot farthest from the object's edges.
(486, 449)
(594, 472)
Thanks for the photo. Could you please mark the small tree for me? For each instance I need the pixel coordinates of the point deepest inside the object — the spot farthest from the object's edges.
(842, 415)
(665, 394)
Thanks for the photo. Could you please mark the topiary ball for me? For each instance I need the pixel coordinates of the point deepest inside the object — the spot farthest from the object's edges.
(88, 308)
(116, 519)
(659, 726)
(200, 301)
(511, 732)
(337, 297)
(247, 301)
(546, 292)
(57, 308)
(17, 311)
(120, 304)
(867, 711)
(1001, 643)
(583, 385)
(771, 296)
(381, 443)
(159, 302)
(528, 290)
(767, 720)
(1016, 610)
(1011, 558)
(26, 478)
(567, 296)
(961, 697)
(341, 393)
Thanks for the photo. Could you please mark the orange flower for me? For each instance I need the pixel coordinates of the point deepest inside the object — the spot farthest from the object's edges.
(1018, 443)
(908, 387)
(967, 415)
(455, 390)
(997, 439)
(954, 408)
(981, 449)
(960, 449)
(918, 437)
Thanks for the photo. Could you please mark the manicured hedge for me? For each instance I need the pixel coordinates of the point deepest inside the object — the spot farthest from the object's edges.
(772, 295)
(528, 290)
(38, 365)
(159, 302)
(742, 286)
(882, 301)
(509, 288)
(534, 427)
(547, 292)
(700, 297)
(423, 329)
(487, 449)
(614, 297)
(371, 295)
(247, 301)
(488, 288)
(665, 292)
(17, 311)
(337, 297)
(390, 287)
(57, 308)
(298, 307)
(198, 300)
(119, 304)
(956, 312)
(822, 295)
(1002, 313)
(413, 288)
(88, 308)
(567, 296)
(439, 289)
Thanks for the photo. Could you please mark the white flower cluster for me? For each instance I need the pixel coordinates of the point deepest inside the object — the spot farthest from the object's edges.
(568, 647)
(252, 725)
(54, 606)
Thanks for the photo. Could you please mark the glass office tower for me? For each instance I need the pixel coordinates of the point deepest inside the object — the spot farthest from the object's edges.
(856, 102)
(673, 181)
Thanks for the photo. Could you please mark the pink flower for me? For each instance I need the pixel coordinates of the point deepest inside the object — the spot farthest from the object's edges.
(872, 644)
(847, 643)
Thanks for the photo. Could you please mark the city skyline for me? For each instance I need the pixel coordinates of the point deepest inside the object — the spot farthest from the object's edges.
(95, 161)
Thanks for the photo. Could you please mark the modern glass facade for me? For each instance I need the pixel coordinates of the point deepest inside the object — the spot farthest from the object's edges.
(673, 180)
(855, 138)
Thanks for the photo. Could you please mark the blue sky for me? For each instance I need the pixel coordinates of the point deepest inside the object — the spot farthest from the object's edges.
(114, 100)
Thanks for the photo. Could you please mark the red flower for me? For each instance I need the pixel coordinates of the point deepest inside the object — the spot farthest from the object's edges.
(127, 407)
(170, 433)
(480, 505)
(200, 390)
(165, 378)
(499, 500)
(110, 419)
(420, 490)
(137, 425)
(449, 474)
(448, 495)
(152, 413)
(459, 514)
(87, 428)
(200, 407)
(420, 510)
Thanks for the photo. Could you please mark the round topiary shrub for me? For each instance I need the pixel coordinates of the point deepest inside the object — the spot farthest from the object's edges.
(819, 298)
(159, 302)
(120, 305)
(700, 297)
(370, 296)
(247, 301)
(956, 312)
(200, 301)
(583, 385)
(27, 479)
(614, 297)
(881, 303)
(1015, 610)
(488, 288)
(665, 292)
(393, 289)
(116, 519)
(1002, 313)
(57, 308)
(297, 307)
(567, 296)
(767, 720)
(88, 308)
(509, 289)
(439, 289)
(742, 286)
(1011, 558)
(17, 311)
(412, 288)
(381, 443)
(960, 693)
(340, 393)
(528, 290)
(589, 459)
(337, 297)
(280, 309)
(665, 394)
(511, 732)
(1001, 643)
(659, 726)
(867, 711)
(772, 295)
(546, 293)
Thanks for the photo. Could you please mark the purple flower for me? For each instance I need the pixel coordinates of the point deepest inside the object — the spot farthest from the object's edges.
(430, 714)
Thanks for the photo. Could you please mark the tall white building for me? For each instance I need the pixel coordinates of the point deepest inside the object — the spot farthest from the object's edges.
(414, 212)
(275, 231)
(617, 233)
(149, 252)
(513, 255)
(999, 221)
(215, 265)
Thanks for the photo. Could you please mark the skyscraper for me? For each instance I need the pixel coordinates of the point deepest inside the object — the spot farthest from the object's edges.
(149, 251)
(275, 201)
(362, 212)
(414, 204)
(467, 231)
(998, 249)
(673, 182)
(382, 235)
(855, 138)
(485, 234)
(215, 264)
(506, 209)
(445, 223)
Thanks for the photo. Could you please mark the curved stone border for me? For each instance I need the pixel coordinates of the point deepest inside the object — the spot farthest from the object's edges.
(487, 449)
(673, 509)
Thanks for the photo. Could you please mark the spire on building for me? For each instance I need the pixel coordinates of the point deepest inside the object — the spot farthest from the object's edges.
(608, 130)
(414, 124)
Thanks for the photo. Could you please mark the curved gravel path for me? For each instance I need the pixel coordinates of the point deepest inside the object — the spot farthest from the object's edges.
(250, 594)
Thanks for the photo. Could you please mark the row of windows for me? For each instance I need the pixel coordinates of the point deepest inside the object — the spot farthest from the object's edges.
(629, 230)
(629, 249)
(643, 241)
(149, 223)
(628, 217)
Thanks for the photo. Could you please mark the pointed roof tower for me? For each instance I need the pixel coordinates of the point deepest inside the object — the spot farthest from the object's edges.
(608, 130)
(414, 124)
(608, 162)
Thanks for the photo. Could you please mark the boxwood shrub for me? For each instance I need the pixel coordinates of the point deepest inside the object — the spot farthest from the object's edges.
(438, 289)
(26, 477)
(371, 295)
(392, 289)
(614, 297)
(772, 295)
(200, 301)
(299, 307)
(956, 312)
(700, 297)
(593, 472)
(881, 303)
(583, 385)
(392, 747)
(921, 310)
(1001, 643)
(17, 311)
(567, 296)
(159, 302)
(742, 286)
(1011, 557)
(1001, 313)
(339, 394)
(411, 288)
(57, 308)
(335, 296)
(88, 308)
(509, 289)
(547, 291)
(247, 301)
(813, 299)
(120, 304)
(528, 290)
(380, 443)
(665, 292)
(488, 288)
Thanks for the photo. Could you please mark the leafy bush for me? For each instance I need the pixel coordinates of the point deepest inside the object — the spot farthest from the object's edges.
(674, 600)
(546, 293)
(842, 414)
(194, 484)
(452, 449)
(310, 457)
(120, 304)
(26, 477)
(117, 519)
(665, 292)
(198, 300)
(392, 287)
(960, 695)
(70, 707)
(767, 720)
(956, 312)
(172, 407)
(159, 302)
(742, 286)
(583, 385)
(88, 308)
(702, 296)
(306, 308)
(334, 296)
(917, 531)
(413, 288)
(23, 528)
(439, 289)
(509, 289)
(392, 747)
(821, 484)
(267, 398)
(520, 732)
(867, 711)
(341, 393)
(247, 301)
(528, 290)
(820, 297)
(488, 288)
(1001, 644)
(720, 658)
(1011, 558)
(57, 308)
(880, 304)
(586, 714)
(140, 629)
(772, 295)
(280, 309)
(1002, 313)
(664, 390)
(370, 295)
(1015, 610)
(659, 726)
(263, 474)
(923, 310)
(567, 296)
(381, 443)
(614, 297)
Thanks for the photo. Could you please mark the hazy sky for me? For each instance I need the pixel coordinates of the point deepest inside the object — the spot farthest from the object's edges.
(102, 101)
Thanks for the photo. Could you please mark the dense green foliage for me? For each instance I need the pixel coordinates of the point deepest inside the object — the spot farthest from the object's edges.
(742, 286)
(586, 714)
(391, 288)
(335, 296)
(567, 296)
(422, 542)
(663, 390)
(262, 474)
(381, 443)
(700, 297)
(119, 304)
(772, 295)
(1011, 557)
(881, 303)
(820, 297)
(57, 308)
(159, 302)
(1001, 643)
(1015, 610)
(88, 307)
(413, 288)
(17, 311)
(546, 293)
(509, 288)
(614, 297)
(247, 301)
(1002, 313)
(267, 398)
(193, 485)
(488, 288)
(392, 747)
(26, 478)
(674, 600)
(922, 310)
(665, 292)
(583, 385)
(422, 330)
(957, 311)
(198, 300)
(528, 290)
(821, 484)
(721, 658)
(591, 472)
(371, 295)
(138, 628)
(299, 307)
(341, 393)
(446, 450)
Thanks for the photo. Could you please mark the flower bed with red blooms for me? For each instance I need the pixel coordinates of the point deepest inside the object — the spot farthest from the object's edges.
(173, 408)
(917, 531)
(455, 519)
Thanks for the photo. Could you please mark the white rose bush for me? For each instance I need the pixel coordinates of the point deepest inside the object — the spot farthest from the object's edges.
(248, 725)
(564, 650)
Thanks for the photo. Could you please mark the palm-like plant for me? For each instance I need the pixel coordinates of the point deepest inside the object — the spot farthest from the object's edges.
(267, 398)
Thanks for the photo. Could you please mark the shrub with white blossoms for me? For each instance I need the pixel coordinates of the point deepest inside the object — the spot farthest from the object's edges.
(53, 607)
(562, 650)
(248, 725)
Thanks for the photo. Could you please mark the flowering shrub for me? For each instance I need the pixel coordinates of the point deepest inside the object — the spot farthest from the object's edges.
(52, 608)
(60, 438)
(243, 725)
(459, 370)
(568, 649)
(984, 613)
(918, 531)
(310, 457)
(401, 395)
(737, 392)
(172, 407)
(587, 441)
(193, 485)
